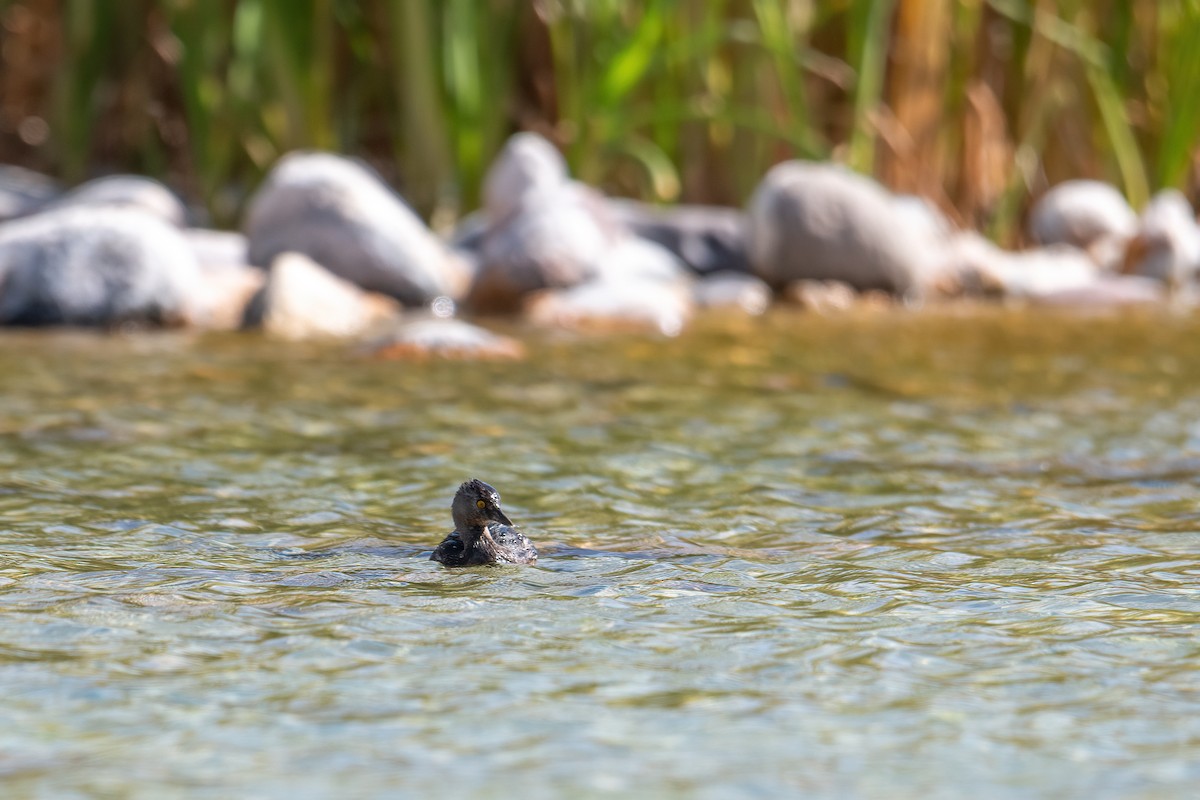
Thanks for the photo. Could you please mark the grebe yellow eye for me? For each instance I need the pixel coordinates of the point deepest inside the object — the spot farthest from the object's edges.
(481, 503)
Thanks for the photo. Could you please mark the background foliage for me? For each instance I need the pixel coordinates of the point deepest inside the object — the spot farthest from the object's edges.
(976, 104)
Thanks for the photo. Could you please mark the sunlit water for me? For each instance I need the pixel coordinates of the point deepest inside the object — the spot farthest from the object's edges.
(941, 555)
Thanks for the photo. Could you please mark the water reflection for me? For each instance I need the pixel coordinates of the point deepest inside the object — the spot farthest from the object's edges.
(857, 556)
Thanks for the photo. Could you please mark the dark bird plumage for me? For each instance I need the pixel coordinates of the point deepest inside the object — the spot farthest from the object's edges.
(482, 533)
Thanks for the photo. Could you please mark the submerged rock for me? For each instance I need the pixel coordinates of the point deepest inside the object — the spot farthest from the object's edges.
(1167, 244)
(97, 266)
(809, 221)
(127, 191)
(707, 239)
(340, 214)
(1090, 215)
(303, 300)
(734, 291)
(445, 338)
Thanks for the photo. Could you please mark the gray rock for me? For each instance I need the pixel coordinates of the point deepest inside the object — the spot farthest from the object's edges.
(821, 297)
(731, 290)
(527, 163)
(707, 239)
(614, 305)
(303, 300)
(127, 191)
(342, 216)
(1167, 244)
(631, 258)
(445, 338)
(96, 266)
(229, 280)
(554, 238)
(1090, 215)
(986, 270)
(23, 191)
(1107, 291)
(823, 222)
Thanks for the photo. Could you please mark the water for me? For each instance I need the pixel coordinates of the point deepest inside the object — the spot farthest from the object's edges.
(871, 556)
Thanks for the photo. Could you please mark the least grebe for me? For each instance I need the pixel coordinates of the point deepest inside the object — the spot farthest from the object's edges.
(482, 533)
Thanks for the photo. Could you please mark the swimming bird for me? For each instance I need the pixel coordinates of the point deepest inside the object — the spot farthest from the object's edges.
(482, 533)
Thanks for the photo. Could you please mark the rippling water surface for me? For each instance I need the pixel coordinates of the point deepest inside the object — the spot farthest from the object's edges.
(939, 555)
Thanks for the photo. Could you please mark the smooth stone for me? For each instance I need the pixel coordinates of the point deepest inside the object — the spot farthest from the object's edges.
(1108, 291)
(1167, 244)
(987, 270)
(340, 214)
(98, 267)
(527, 163)
(303, 300)
(445, 338)
(813, 221)
(733, 291)
(23, 191)
(614, 305)
(1090, 215)
(229, 280)
(127, 191)
(555, 238)
(821, 297)
(707, 239)
(632, 258)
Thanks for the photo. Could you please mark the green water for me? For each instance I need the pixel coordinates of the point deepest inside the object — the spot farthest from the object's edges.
(936, 555)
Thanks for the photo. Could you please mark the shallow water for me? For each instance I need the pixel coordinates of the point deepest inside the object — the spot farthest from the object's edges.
(883, 555)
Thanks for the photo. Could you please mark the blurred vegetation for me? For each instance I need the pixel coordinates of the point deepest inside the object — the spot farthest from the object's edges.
(976, 104)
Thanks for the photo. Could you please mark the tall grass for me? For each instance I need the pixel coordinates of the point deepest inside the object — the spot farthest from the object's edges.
(978, 104)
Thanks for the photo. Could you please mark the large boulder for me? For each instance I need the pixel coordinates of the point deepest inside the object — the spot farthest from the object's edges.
(810, 221)
(97, 266)
(341, 215)
(1167, 244)
(707, 239)
(303, 300)
(1090, 215)
(127, 191)
(543, 230)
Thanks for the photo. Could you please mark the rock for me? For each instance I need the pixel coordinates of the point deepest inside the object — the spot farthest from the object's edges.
(732, 290)
(1090, 215)
(986, 270)
(614, 305)
(707, 239)
(1167, 244)
(97, 266)
(823, 222)
(528, 163)
(554, 238)
(229, 280)
(1107, 291)
(127, 191)
(338, 213)
(631, 258)
(218, 249)
(303, 300)
(821, 297)
(23, 191)
(445, 338)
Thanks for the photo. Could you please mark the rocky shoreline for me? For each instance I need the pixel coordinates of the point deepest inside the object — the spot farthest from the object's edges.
(327, 250)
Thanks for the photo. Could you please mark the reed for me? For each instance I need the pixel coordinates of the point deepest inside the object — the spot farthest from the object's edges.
(978, 104)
